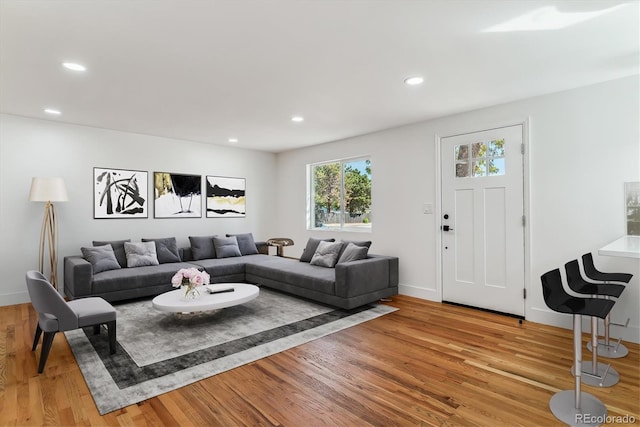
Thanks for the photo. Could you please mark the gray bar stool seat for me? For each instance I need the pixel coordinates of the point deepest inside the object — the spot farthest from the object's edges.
(574, 407)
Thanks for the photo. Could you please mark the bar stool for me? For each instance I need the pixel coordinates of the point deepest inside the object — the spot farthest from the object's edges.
(596, 374)
(571, 406)
(605, 348)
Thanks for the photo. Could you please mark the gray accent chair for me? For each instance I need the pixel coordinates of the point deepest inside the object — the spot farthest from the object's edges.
(56, 315)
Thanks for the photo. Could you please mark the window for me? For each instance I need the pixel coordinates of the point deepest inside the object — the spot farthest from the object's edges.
(340, 195)
(480, 159)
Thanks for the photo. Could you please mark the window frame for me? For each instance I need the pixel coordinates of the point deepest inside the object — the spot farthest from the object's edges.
(311, 219)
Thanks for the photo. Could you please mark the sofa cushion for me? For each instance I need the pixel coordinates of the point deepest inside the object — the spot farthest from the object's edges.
(102, 258)
(141, 254)
(292, 272)
(218, 267)
(326, 254)
(310, 250)
(363, 243)
(353, 252)
(202, 247)
(226, 247)
(136, 277)
(118, 249)
(166, 249)
(246, 243)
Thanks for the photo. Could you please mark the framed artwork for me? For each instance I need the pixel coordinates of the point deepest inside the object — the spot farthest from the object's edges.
(119, 193)
(225, 197)
(177, 195)
(632, 207)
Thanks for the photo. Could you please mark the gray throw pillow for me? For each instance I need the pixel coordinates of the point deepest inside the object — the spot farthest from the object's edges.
(102, 258)
(226, 247)
(352, 252)
(166, 249)
(327, 254)
(202, 247)
(364, 244)
(246, 243)
(310, 250)
(141, 254)
(118, 249)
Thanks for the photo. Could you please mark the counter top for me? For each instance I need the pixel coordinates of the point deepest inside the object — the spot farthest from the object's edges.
(626, 246)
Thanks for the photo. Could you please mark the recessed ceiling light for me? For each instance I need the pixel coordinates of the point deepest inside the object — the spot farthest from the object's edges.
(297, 119)
(233, 140)
(414, 80)
(74, 66)
(52, 111)
(547, 18)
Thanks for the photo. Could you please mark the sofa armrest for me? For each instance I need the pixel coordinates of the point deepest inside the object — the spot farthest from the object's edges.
(78, 274)
(263, 248)
(355, 278)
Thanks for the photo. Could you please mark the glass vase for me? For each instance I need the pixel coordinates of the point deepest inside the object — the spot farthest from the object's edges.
(191, 292)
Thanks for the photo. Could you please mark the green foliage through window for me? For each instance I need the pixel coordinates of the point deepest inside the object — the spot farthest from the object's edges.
(341, 194)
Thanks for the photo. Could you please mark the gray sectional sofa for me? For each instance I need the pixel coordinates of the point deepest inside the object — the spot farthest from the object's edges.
(350, 282)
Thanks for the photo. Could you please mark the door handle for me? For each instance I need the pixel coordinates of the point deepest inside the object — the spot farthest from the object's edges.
(446, 228)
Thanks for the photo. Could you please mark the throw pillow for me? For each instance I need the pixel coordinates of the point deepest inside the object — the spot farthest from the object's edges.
(141, 254)
(353, 253)
(226, 247)
(202, 247)
(327, 254)
(118, 249)
(310, 250)
(102, 258)
(166, 249)
(366, 244)
(246, 243)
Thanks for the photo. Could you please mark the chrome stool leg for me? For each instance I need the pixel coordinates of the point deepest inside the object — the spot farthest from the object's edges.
(595, 373)
(575, 407)
(605, 347)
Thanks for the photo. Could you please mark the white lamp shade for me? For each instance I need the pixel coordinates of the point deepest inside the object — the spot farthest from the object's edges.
(48, 190)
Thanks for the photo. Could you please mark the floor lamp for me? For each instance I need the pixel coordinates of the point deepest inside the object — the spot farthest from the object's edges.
(49, 190)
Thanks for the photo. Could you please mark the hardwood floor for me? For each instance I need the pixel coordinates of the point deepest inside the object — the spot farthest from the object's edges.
(426, 364)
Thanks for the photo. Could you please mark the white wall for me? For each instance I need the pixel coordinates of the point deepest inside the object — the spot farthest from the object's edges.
(584, 144)
(31, 147)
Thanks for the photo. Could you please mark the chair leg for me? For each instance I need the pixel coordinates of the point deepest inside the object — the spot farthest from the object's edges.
(111, 328)
(44, 352)
(36, 338)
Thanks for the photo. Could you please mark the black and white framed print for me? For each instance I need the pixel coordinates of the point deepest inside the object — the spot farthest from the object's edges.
(177, 195)
(120, 193)
(225, 197)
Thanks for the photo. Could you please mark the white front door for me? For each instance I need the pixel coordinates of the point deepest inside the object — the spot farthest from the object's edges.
(482, 219)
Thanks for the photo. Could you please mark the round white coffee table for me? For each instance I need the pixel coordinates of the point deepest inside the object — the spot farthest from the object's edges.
(175, 302)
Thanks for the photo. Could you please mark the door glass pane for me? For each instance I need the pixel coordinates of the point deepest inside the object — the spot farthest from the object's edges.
(479, 168)
(478, 149)
(496, 148)
(462, 152)
(496, 167)
(462, 170)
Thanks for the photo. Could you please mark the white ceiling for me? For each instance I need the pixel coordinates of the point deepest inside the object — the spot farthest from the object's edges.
(209, 70)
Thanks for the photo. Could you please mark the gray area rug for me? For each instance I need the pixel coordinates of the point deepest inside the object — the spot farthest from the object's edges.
(158, 352)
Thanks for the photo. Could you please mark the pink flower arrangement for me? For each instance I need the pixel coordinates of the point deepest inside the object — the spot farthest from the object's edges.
(191, 277)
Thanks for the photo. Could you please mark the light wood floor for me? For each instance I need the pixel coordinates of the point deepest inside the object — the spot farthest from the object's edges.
(426, 364)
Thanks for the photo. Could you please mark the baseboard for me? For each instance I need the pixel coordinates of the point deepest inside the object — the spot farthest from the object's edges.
(416, 292)
(14, 298)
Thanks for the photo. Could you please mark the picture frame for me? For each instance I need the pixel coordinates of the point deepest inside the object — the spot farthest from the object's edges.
(177, 195)
(120, 193)
(226, 197)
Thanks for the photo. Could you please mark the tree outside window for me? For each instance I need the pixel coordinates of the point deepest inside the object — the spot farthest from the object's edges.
(341, 194)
